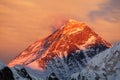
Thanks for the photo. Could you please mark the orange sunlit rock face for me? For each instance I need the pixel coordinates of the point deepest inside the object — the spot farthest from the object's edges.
(70, 37)
(73, 33)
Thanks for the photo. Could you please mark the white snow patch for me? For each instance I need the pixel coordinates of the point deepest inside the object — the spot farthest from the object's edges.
(91, 40)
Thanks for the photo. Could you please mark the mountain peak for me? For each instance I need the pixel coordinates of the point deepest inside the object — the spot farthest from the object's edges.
(73, 21)
(72, 26)
(72, 37)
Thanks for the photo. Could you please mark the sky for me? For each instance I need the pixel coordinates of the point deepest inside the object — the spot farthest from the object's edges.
(23, 22)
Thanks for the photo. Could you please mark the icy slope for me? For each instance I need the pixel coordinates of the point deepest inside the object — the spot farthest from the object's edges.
(104, 66)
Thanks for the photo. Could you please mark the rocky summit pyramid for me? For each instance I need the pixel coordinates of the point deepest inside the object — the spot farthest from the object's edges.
(64, 52)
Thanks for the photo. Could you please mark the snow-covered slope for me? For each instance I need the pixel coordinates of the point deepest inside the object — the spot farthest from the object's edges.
(104, 66)
(64, 52)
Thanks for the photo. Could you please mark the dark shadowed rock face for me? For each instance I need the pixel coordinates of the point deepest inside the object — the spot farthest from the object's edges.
(52, 76)
(6, 74)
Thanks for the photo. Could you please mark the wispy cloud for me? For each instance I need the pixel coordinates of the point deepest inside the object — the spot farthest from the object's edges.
(109, 11)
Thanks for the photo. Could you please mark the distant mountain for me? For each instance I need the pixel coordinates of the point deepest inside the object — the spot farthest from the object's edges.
(64, 52)
(104, 66)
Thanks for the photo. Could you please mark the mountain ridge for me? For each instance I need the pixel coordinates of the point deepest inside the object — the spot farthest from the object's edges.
(97, 68)
(104, 66)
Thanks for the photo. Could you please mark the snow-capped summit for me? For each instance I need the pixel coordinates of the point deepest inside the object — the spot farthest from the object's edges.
(73, 26)
(65, 51)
